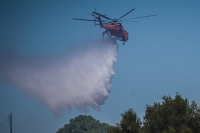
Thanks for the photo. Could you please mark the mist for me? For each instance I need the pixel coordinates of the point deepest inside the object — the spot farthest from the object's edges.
(78, 77)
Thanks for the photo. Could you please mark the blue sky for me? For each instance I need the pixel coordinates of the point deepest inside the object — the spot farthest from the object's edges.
(160, 58)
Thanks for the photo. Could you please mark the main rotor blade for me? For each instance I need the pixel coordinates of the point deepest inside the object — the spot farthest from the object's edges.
(85, 19)
(141, 17)
(103, 23)
(101, 15)
(126, 13)
(128, 21)
(88, 19)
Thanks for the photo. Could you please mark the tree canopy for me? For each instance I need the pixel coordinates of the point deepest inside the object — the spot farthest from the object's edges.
(171, 116)
(130, 123)
(84, 124)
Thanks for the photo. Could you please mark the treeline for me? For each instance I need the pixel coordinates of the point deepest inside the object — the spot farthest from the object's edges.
(173, 115)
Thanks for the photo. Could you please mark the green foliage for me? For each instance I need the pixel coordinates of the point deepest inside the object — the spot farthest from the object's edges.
(84, 124)
(172, 116)
(130, 123)
(113, 129)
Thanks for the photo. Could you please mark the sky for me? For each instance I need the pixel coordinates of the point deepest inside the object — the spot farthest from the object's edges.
(160, 58)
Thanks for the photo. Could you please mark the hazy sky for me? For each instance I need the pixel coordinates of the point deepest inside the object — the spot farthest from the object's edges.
(161, 57)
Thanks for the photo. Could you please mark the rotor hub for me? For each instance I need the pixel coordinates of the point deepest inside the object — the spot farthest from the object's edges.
(115, 20)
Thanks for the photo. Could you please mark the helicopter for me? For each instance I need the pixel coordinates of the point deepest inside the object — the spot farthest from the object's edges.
(113, 27)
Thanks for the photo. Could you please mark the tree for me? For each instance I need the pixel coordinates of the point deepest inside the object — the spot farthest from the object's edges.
(130, 123)
(172, 116)
(84, 124)
(113, 129)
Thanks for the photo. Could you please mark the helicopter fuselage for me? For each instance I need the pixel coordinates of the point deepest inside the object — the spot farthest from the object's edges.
(114, 30)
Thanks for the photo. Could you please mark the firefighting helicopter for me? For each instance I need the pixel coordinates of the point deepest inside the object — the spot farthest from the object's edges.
(113, 27)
